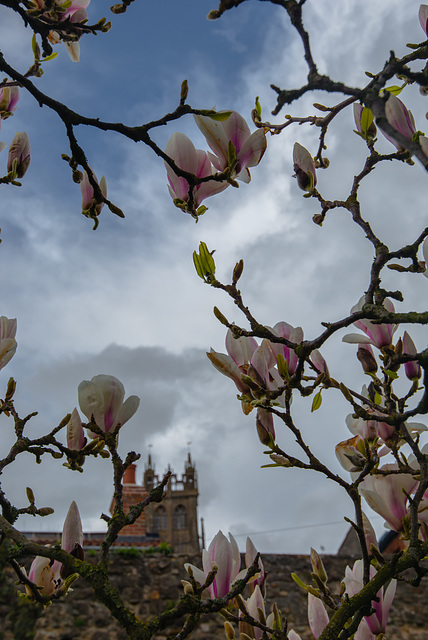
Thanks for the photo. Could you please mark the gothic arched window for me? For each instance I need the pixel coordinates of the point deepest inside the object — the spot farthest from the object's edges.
(160, 520)
(180, 517)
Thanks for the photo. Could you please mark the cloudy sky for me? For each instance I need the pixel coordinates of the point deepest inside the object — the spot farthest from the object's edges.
(125, 300)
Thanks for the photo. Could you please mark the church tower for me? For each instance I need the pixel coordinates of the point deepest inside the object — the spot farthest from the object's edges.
(175, 519)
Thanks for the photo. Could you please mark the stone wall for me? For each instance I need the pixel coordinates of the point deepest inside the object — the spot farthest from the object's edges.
(149, 583)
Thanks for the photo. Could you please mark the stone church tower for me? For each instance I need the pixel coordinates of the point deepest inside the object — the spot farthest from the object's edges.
(175, 519)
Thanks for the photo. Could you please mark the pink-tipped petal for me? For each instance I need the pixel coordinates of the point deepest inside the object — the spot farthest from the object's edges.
(72, 533)
(423, 17)
(317, 615)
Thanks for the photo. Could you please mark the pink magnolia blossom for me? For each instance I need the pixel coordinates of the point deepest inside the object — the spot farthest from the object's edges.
(304, 166)
(45, 574)
(385, 495)
(257, 362)
(423, 17)
(351, 454)
(370, 429)
(353, 582)
(9, 97)
(412, 368)
(400, 118)
(75, 13)
(19, 154)
(103, 398)
(225, 554)
(7, 340)
(249, 147)
(75, 433)
(379, 335)
(293, 334)
(48, 575)
(180, 149)
(364, 121)
(87, 191)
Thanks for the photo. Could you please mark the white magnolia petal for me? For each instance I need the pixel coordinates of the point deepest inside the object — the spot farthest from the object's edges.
(128, 409)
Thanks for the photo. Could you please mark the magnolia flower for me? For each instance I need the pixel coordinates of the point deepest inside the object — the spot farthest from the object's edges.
(75, 12)
(19, 155)
(364, 121)
(102, 399)
(353, 582)
(7, 340)
(257, 363)
(351, 454)
(379, 335)
(412, 368)
(180, 149)
(248, 147)
(48, 575)
(387, 495)
(87, 191)
(304, 166)
(45, 574)
(9, 97)
(400, 118)
(423, 17)
(370, 429)
(75, 433)
(293, 334)
(225, 555)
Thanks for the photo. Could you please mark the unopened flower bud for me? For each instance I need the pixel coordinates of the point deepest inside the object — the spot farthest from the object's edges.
(237, 272)
(118, 8)
(318, 566)
(304, 167)
(264, 425)
(45, 511)
(11, 387)
(187, 587)
(366, 357)
(281, 460)
(19, 155)
(412, 368)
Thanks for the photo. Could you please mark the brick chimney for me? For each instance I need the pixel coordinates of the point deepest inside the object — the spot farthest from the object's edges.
(129, 477)
(133, 493)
